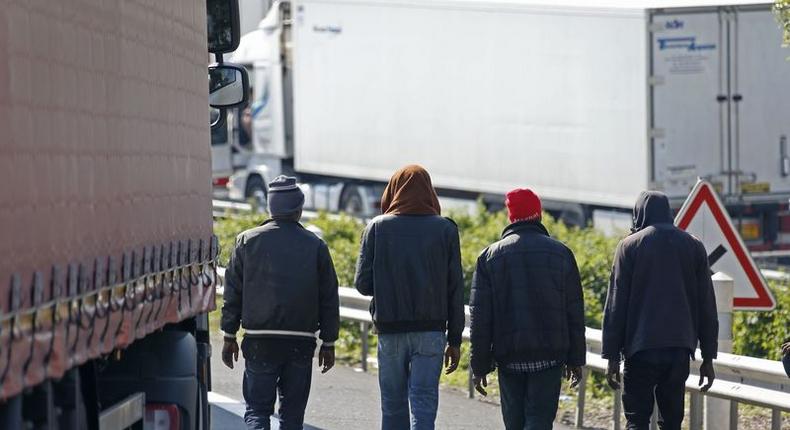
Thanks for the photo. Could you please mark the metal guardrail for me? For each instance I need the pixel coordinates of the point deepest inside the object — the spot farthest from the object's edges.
(233, 208)
(740, 379)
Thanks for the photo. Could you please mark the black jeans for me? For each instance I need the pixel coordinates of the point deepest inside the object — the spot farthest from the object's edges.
(529, 400)
(275, 368)
(655, 376)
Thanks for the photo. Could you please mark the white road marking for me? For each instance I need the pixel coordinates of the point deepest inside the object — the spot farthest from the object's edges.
(233, 406)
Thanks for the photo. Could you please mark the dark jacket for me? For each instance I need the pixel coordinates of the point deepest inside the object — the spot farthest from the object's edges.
(281, 282)
(411, 265)
(527, 302)
(660, 291)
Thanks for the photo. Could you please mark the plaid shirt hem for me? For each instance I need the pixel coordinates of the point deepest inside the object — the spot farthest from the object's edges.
(533, 366)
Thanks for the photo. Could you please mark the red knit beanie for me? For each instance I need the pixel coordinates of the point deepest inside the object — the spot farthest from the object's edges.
(523, 205)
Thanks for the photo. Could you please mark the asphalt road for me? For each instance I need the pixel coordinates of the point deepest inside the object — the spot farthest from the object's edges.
(345, 398)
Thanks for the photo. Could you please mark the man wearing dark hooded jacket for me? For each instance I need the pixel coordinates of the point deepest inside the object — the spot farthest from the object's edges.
(660, 305)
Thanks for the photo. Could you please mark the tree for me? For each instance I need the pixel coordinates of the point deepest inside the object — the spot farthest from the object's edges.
(782, 11)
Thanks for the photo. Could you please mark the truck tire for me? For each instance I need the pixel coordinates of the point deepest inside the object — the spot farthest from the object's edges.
(255, 190)
(351, 201)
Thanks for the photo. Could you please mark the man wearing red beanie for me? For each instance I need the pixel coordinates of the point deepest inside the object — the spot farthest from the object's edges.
(527, 317)
(523, 205)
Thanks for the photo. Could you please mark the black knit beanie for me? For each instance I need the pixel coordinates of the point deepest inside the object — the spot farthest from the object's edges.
(285, 197)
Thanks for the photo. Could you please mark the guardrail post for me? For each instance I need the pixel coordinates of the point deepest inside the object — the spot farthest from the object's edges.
(580, 399)
(365, 328)
(717, 411)
(776, 419)
(471, 384)
(734, 416)
(695, 411)
(617, 409)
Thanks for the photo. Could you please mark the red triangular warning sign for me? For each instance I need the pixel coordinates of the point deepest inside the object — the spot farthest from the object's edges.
(704, 216)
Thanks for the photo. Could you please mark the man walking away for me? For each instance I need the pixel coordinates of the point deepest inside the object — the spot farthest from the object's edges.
(410, 262)
(527, 317)
(660, 304)
(281, 284)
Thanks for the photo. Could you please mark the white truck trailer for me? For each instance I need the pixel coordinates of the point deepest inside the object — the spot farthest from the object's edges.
(586, 102)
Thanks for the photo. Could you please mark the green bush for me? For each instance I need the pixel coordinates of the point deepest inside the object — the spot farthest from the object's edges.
(759, 334)
(756, 333)
(340, 233)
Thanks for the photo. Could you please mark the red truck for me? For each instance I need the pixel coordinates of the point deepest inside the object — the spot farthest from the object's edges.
(107, 255)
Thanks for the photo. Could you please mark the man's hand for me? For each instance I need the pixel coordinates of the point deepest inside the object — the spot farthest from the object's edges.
(230, 351)
(613, 374)
(573, 374)
(452, 356)
(706, 371)
(480, 382)
(326, 358)
(786, 348)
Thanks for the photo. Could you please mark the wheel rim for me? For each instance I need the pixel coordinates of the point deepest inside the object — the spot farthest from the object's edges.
(259, 198)
(353, 205)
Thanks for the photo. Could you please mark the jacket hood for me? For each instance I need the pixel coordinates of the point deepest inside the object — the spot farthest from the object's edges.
(652, 207)
(410, 192)
(519, 226)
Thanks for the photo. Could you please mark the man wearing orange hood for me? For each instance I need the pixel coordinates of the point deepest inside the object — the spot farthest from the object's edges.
(410, 262)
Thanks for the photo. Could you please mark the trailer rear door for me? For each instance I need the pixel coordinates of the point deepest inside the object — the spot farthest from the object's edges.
(688, 118)
(721, 99)
(761, 106)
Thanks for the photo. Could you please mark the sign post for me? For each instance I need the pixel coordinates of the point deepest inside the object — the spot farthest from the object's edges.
(717, 411)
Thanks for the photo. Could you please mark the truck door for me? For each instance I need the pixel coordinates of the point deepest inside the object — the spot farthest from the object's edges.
(761, 105)
(689, 114)
(220, 150)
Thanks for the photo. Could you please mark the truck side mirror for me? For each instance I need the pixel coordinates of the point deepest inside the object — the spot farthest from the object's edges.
(228, 85)
(222, 18)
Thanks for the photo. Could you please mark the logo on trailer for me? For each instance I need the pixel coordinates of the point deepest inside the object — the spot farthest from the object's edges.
(683, 43)
(675, 24)
(704, 216)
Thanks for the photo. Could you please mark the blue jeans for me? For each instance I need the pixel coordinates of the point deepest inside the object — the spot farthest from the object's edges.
(409, 368)
(529, 400)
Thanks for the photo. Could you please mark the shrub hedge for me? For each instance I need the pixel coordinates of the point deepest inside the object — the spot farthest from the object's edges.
(756, 334)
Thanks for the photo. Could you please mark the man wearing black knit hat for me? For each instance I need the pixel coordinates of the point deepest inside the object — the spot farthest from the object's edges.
(280, 284)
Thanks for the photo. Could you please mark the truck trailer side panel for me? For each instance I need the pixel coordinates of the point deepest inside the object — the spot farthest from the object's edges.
(486, 96)
(105, 204)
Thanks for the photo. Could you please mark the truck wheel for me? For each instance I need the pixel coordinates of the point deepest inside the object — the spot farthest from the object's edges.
(256, 191)
(351, 201)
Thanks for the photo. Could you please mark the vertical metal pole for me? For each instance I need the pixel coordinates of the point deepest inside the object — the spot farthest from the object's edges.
(717, 411)
(776, 419)
(617, 409)
(733, 415)
(695, 411)
(580, 399)
(471, 384)
(365, 347)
